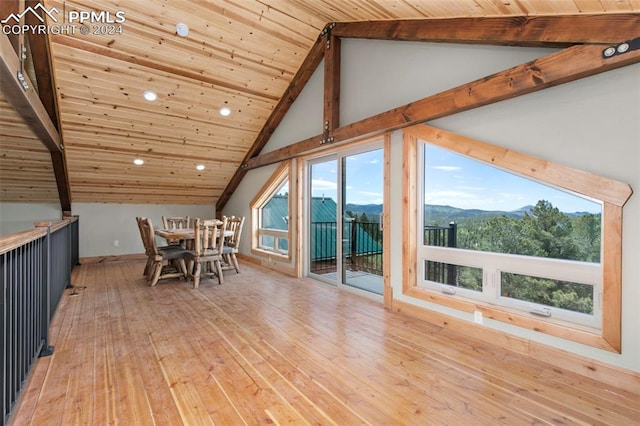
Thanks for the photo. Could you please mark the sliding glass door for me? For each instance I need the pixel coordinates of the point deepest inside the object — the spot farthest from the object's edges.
(362, 194)
(346, 185)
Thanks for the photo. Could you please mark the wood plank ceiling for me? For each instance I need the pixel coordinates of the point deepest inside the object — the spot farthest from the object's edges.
(242, 54)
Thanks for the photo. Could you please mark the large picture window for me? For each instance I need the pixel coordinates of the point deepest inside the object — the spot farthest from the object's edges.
(538, 247)
(520, 239)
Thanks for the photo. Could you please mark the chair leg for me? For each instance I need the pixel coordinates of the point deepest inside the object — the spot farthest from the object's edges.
(196, 275)
(234, 259)
(218, 264)
(147, 267)
(183, 268)
(157, 270)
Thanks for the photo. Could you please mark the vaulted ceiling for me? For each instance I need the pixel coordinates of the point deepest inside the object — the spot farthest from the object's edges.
(240, 54)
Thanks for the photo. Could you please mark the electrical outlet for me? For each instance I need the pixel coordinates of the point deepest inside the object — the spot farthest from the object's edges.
(477, 317)
(116, 243)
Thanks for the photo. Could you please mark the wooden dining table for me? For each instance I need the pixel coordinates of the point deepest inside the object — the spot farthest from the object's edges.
(184, 234)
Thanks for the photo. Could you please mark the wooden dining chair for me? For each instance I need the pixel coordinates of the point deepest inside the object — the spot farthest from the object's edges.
(232, 242)
(147, 249)
(175, 222)
(168, 262)
(208, 243)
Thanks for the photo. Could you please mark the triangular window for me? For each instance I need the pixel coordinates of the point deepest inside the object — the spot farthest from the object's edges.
(270, 215)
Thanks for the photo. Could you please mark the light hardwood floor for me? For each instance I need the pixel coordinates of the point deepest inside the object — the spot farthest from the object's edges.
(267, 349)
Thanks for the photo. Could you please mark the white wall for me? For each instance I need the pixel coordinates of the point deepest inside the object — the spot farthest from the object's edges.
(103, 224)
(17, 217)
(592, 124)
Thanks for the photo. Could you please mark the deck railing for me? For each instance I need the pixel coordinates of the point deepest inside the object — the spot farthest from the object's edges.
(35, 268)
(361, 247)
(441, 236)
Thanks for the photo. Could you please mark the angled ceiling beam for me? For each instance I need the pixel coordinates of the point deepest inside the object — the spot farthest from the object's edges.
(41, 59)
(306, 70)
(547, 31)
(561, 67)
(26, 102)
(29, 106)
(7, 7)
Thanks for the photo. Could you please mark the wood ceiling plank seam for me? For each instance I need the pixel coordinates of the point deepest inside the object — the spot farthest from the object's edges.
(211, 15)
(207, 147)
(407, 8)
(195, 116)
(70, 67)
(17, 134)
(331, 10)
(96, 112)
(207, 155)
(301, 8)
(145, 134)
(539, 8)
(152, 173)
(225, 82)
(132, 117)
(302, 38)
(290, 9)
(8, 158)
(96, 50)
(618, 5)
(148, 31)
(19, 144)
(128, 155)
(153, 185)
(375, 10)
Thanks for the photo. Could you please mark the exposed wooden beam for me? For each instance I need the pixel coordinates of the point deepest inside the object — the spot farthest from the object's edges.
(332, 83)
(41, 59)
(7, 7)
(26, 102)
(557, 68)
(62, 181)
(548, 31)
(306, 70)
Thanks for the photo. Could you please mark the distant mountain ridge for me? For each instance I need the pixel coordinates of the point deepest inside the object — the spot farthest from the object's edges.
(445, 214)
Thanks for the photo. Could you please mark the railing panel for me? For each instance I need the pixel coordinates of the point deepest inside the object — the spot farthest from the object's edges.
(35, 268)
(22, 320)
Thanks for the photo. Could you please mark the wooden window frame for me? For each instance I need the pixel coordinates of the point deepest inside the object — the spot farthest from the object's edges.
(282, 173)
(611, 193)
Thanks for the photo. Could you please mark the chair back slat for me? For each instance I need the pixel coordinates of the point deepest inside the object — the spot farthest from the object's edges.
(207, 233)
(176, 222)
(234, 224)
(149, 236)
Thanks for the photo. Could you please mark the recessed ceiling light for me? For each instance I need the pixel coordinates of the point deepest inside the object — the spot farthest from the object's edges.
(150, 95)
(138, 161)
(200, 167)
(225, 111)
(182, 29)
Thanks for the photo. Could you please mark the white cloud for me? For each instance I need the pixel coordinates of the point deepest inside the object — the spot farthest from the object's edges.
(319, 184)
(448, 168)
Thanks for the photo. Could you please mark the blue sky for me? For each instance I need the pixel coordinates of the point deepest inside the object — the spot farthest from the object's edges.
(457, 181)
(363, 178)
(451, 180)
